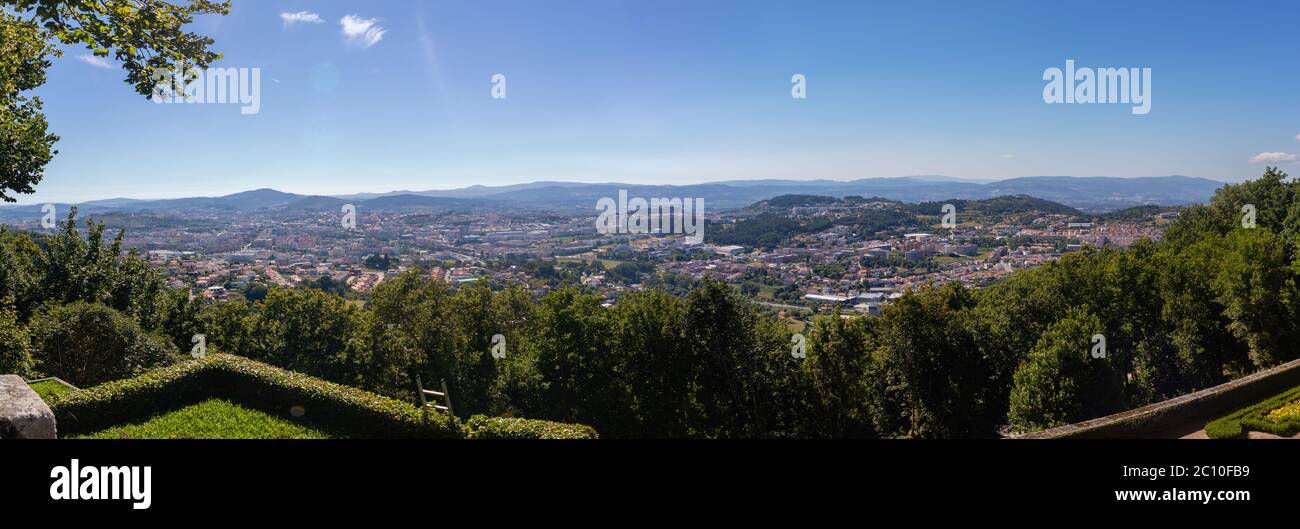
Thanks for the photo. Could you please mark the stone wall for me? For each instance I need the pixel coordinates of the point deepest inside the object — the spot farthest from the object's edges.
(1168, 418)
(23, 414)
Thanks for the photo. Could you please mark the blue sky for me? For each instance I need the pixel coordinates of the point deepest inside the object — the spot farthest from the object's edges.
(668, 91)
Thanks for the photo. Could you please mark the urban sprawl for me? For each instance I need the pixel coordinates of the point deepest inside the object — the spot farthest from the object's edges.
(222, 254)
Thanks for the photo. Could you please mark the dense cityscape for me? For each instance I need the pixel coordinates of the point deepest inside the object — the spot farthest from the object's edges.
(222, 254)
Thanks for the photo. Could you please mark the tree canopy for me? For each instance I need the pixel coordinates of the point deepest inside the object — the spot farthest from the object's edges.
(146, 36)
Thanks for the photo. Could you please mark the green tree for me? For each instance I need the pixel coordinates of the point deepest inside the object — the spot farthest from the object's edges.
(28, 146)
(181, 315)
(15, 343)
(255, 291)
(227, 326)
(837, 369)
(89, 270)
(934, 369)
(413, 319)
(577, 357)
(1258, 292)
(145, 35)
(780, 386)
(90, 343)
(19, 278)
(658, 364)
(1271, 196)
(1206, 352)
(305, 330)
(479, 316)
(719, 329)
(137, 288)
(1062, 382)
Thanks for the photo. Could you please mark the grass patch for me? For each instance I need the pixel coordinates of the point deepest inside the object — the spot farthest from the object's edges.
(48, 389)
(1279, 415)
(981, 256)
(609, 264)
(211, 419)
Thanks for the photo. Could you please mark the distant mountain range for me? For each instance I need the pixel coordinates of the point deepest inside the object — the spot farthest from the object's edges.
(1094, 194)
(1091, 194)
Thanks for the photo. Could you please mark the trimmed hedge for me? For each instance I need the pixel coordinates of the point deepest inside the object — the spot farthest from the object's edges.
(123, 401)
(484, 427)
(323, 404)
(1255, 418)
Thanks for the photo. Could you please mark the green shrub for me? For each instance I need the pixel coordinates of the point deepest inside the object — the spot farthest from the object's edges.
(1255, 418)
(1284, 428)
(325, 405)
(483, 427)
(15, 348)
(1225, 428)
(90, 343)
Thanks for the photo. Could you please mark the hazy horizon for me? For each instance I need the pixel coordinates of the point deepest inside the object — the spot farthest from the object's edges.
(23, 200)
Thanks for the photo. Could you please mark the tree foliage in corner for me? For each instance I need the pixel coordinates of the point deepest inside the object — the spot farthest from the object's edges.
(145, 35)
(25, 144)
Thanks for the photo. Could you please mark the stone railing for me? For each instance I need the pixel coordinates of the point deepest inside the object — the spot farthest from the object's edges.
(23, 414)
(1168, 418)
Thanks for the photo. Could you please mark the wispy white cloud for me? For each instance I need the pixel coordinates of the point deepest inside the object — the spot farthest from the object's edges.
(98, 62)
(1273, 157)
(305, 17)
(1297, 136)
(364, 32)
